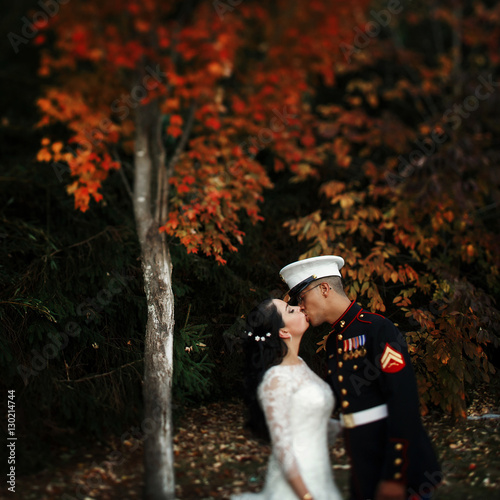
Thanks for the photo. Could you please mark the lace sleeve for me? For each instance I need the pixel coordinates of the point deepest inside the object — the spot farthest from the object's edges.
(275, 395)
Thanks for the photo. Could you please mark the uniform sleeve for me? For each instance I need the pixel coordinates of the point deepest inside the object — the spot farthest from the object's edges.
(275, 395)
(399, 387)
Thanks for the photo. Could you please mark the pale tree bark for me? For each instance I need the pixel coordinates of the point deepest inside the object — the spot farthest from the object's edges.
(157, 269)
(151, 173)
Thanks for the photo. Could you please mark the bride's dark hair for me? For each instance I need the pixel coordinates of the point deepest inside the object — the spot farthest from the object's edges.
(263, 348)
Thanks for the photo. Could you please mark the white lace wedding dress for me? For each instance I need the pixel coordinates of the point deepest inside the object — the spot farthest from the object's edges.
(297, 405)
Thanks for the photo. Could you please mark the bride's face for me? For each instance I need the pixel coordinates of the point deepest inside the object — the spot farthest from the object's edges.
(294, 319)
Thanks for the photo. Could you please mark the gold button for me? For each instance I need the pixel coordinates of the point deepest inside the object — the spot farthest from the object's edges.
(345, 404)
(339, 336)
(340, 364)
(331, 356)
(361, 315)
(344, 391)
(355, 367)
(398, 461)
(397, 475)
(342, 323)
(398, 446)
(339, 350)
(341, 378)
(329, 372)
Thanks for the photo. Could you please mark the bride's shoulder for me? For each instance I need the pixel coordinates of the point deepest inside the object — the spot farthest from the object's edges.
(275, 373)
(276, 381)
(280, 372)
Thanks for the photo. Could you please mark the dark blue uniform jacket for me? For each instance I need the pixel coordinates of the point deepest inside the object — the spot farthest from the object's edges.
(369, 365)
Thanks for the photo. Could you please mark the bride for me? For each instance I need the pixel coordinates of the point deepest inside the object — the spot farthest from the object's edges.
(289, 403)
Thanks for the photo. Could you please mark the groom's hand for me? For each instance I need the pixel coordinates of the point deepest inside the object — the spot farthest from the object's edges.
(390, 490)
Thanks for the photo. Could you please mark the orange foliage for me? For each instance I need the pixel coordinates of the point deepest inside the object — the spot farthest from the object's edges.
(410, 233)
(256, 81)
(98, 49)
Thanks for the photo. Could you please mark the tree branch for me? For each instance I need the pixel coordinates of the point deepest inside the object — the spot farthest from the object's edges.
(165, 171)
(182, 144)
(142, 173)
(161, 167)
(100, 375)
(123, 176)
(105, 230)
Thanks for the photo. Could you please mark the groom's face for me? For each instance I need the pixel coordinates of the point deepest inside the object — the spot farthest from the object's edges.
(310, 303)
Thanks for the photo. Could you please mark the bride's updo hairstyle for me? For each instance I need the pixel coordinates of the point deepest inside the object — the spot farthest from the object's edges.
(263, 348)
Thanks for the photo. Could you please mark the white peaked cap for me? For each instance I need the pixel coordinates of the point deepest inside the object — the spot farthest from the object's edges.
(298, 275)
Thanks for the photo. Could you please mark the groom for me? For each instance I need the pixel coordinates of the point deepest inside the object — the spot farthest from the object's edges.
(370, 371)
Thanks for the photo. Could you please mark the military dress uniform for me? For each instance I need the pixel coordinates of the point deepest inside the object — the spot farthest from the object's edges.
(370, 372)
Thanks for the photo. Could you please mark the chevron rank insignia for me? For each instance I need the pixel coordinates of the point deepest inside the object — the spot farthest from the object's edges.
(391, 361)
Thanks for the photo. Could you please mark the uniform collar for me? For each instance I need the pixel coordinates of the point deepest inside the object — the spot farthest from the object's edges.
(347, 318)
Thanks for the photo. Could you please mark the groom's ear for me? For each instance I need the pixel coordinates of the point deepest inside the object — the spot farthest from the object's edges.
(284, 334)
(325, 289)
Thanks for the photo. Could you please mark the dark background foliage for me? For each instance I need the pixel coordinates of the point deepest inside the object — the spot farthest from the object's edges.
(61, 267)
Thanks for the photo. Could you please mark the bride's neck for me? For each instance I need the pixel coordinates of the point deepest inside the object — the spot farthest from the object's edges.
(292, 355)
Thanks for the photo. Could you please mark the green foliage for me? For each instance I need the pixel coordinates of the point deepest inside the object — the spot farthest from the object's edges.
(60, 311)
(192, 367)
(59, 268)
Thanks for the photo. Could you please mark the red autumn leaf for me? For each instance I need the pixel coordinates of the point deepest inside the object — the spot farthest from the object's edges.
(238, 105)
(188, 179)
(308, 140)
(213, 123)
(40, 40)
(174, 131)
(176, 120)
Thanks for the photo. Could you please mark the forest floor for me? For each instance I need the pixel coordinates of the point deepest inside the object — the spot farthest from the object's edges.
(214, 457)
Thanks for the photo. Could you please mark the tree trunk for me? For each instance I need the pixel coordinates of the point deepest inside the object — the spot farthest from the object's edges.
(158, 356)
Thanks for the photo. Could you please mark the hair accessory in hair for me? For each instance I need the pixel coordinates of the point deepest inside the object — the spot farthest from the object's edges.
(258, 338)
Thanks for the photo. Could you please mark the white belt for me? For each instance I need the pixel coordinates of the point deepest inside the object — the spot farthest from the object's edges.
(363, 417)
